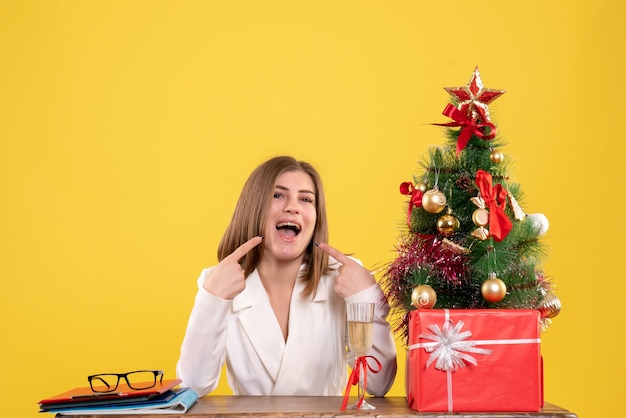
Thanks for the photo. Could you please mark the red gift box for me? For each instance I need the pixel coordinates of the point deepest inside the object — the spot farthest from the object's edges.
(474, 360)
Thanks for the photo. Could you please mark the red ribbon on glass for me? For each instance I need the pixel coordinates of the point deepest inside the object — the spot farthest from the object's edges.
(469, 126)
(359, 364)
(495, 199)
(407, 188)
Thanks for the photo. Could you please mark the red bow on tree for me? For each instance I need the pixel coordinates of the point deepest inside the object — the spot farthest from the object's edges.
(495, 199)
(407, 188)
(469, 125)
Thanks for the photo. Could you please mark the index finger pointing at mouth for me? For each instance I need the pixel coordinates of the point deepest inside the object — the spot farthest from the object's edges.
(336, 254)
(245, 248)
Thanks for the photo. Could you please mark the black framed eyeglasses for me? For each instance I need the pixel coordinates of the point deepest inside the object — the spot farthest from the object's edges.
(137, 380)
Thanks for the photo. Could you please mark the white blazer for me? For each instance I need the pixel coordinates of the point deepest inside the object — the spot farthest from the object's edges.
(245, 334)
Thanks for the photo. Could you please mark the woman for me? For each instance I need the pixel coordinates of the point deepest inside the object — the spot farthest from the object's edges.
(274, 307)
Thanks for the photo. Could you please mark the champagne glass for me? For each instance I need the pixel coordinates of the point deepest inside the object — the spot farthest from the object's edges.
(360, 329)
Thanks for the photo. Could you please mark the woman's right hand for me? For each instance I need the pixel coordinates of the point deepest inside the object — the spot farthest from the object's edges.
(226, 280)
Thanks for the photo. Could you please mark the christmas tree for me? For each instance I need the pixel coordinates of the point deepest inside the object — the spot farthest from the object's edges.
(468, 244)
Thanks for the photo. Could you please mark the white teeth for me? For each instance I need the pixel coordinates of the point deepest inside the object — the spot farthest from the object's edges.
(288, 225)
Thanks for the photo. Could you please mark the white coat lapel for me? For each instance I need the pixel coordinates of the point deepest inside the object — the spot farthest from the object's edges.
(304, 325)
(260, 325)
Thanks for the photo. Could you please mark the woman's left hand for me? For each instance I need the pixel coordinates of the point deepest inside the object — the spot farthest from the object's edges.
(352, 277)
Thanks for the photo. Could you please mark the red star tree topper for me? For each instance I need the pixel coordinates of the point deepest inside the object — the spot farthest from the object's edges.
(474, 96)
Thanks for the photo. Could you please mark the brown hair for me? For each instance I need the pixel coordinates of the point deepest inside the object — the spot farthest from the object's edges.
(251, 211)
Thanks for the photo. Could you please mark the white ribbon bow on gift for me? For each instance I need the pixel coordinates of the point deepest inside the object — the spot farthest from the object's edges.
(450, 347)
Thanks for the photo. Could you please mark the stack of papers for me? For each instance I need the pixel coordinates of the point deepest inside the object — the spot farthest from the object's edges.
(161, 399)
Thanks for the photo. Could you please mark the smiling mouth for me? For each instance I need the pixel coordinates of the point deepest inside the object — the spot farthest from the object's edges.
(288, 228)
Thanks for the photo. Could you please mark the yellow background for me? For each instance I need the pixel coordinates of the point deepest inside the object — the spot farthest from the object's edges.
(127, 129)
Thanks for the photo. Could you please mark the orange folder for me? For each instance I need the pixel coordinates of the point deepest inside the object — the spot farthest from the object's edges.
(84, 396)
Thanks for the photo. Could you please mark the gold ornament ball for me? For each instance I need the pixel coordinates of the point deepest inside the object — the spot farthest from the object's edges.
(421, 186)
(433, 201)
(496, 157)
(447, 225)
(493, 290)
(423, 297)
(550, 306)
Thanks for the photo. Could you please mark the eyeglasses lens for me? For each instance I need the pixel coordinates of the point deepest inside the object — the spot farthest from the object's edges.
(104, 382)
(141, 379)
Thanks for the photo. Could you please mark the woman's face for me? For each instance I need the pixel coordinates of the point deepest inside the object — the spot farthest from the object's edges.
(291, 217)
